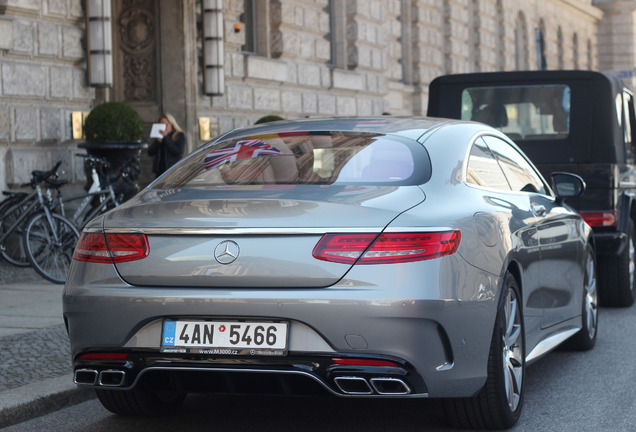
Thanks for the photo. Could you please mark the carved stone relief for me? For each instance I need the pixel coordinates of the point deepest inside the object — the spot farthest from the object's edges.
(276, 19)
(136, 23)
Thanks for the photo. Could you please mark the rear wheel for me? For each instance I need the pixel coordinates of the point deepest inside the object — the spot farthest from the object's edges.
(50, 246)
(498, 405)
(618, 274)
(586, 338)
(138, 402)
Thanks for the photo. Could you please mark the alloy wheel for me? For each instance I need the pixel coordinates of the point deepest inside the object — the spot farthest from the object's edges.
(591, 293)
(632, 264)
(512, 351)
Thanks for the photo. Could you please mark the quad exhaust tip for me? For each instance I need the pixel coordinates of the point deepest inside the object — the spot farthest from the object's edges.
(352, 385)
(390, 386)
(85, 377)
(112, 378)
(106, 378)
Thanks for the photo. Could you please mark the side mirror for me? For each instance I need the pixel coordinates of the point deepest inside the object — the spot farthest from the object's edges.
(567, 185)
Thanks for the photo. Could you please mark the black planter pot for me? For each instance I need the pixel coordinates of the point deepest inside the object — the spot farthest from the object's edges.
(123, 157)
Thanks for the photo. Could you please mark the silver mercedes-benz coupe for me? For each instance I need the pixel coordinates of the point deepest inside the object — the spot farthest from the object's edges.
(359, 257)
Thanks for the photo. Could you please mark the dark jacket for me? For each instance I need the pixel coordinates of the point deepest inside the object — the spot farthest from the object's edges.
(166, 152)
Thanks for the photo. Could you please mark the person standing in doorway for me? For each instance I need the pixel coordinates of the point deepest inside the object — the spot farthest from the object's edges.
(168, 149)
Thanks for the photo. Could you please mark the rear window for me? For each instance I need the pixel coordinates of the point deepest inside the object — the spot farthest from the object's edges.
(314, 158)
(528, 112)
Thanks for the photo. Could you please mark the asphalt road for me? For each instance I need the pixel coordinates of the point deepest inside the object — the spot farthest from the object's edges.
(565, 391)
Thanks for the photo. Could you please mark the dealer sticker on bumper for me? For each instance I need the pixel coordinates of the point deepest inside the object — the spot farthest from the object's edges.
(224, 337)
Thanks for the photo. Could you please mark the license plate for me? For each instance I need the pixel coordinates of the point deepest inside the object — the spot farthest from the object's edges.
(224, 337)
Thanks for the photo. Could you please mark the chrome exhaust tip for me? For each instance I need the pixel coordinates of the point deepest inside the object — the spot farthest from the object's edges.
(353, 385)
(390, 386)
(85, 377)
(112, 378)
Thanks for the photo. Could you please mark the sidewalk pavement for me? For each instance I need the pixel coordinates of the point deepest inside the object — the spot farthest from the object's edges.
(35, 361)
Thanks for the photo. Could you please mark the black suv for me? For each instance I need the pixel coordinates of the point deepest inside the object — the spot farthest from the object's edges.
(575, 121)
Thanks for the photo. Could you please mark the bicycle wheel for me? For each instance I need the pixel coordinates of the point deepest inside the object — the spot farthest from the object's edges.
(50, 257)
(12, 248)
(97, 210)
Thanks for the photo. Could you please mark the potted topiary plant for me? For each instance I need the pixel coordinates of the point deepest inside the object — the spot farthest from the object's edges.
(269, 118)
(113, 121)
(114, 131)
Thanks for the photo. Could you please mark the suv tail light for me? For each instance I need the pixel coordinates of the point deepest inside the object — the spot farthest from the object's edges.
(386, 248)
(599, 218)
(111, 248)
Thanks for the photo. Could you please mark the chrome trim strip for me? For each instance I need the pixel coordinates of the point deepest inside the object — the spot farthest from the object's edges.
(306, 374)
(548, 344)
(262, 231)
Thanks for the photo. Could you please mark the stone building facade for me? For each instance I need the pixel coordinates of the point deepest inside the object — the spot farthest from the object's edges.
(293, 58)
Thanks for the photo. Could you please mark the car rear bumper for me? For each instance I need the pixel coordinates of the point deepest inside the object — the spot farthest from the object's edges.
(439, 336)
(298, 374)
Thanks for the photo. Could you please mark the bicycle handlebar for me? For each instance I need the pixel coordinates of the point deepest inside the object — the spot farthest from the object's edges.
(93, 161)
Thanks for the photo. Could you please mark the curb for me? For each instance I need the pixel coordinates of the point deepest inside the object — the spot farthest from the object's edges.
(39, 398)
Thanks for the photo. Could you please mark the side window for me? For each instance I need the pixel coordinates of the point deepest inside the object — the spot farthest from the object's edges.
(483, 169)
(520, 174)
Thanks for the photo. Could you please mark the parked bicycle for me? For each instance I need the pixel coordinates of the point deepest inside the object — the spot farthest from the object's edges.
(30, 228)
(101, 195)
(12, 250)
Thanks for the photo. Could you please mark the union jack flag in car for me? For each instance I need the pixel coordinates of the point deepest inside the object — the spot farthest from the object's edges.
(244, 149)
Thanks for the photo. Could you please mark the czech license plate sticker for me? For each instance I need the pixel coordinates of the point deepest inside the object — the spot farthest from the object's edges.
(224, 337)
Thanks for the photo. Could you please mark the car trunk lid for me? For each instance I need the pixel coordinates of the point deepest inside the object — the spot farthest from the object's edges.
(250, 238)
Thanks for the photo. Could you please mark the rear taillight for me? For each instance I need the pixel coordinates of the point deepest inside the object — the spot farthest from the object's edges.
(363, 362)
(600, 218)
(111, 248)
(386, 248)
(104, 356)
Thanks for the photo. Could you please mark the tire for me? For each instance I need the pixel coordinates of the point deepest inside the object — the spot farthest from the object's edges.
(50, 258)
(13, 249)
(498, 404)
(585, 339)
(138, 402)
(618, 274)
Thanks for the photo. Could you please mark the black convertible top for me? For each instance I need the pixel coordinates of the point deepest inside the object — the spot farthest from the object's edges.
(595, 133)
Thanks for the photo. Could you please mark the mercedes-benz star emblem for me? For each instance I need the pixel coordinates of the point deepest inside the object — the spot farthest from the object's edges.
(226, 252)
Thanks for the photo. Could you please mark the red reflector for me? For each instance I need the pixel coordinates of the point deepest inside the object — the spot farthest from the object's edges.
(105, 356)
(599, 219)
(361, 362)
(111, 248)
(386, 248)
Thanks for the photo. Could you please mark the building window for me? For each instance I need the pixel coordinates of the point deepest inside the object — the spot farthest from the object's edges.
(501, 35)
(256, 19)
(474, 40)
(560, 61)
(338, 36)
(540, 41)
(521, 43)
(446, 37)
(575, 51)
(249, 19)
(406, 20)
